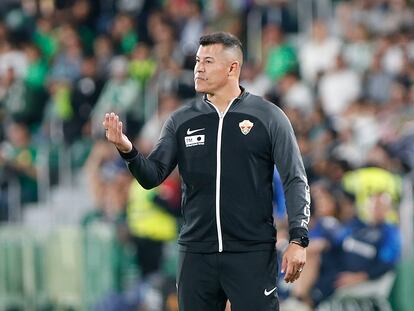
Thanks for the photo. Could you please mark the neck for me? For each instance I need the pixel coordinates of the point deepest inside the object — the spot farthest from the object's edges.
(222, 99)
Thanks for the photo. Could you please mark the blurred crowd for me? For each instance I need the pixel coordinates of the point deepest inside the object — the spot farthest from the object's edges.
(346, 82)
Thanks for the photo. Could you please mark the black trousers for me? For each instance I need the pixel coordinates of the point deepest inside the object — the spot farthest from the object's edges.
(247, 279)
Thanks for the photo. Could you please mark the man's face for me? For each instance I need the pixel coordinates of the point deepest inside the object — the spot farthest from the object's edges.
(211, 68)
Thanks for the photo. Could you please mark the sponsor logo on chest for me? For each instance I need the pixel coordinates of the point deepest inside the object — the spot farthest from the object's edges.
(194, 140)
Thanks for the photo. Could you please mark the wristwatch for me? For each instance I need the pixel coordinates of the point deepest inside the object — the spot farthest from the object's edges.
(302, 241)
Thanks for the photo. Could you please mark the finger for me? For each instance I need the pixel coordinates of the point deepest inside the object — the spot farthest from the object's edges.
(113, 124)
(110, 133)
(112, 120)
(290, 272)
(296, 270)
(119, 129)
(297, 274)
(294, 277)
(284, 264)
(106, 121)
(116, 124)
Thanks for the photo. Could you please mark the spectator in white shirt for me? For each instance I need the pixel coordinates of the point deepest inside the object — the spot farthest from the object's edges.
(296, 94)
(319, 53)
(339, 88)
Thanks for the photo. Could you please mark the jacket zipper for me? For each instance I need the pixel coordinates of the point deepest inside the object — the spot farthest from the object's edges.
(218, 172)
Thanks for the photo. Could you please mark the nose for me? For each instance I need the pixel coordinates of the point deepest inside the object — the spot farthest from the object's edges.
(198, 67)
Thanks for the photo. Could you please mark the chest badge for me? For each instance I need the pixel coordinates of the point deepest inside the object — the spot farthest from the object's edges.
(245, 126)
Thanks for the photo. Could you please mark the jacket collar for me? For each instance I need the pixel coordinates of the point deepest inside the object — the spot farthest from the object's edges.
(242, 95)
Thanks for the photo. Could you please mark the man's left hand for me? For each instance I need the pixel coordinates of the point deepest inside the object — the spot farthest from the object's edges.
(293, 261)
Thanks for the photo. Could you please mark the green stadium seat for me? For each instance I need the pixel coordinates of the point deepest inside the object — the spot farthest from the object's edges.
(367, 296)
(38, 262)
(12, 291)
(64, 268)
(22, 268)
(99, 261)
(402, 294)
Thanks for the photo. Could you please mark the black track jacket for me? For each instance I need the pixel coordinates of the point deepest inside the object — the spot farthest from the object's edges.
(226, 161)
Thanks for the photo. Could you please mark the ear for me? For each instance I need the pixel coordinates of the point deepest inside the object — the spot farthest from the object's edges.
(234, 68)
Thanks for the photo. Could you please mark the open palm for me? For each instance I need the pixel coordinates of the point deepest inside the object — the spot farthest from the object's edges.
(114, 132)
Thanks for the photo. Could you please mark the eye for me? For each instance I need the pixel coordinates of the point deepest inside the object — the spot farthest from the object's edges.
(208, 61)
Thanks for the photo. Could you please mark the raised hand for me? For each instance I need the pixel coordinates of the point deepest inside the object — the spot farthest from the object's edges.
(114, 134)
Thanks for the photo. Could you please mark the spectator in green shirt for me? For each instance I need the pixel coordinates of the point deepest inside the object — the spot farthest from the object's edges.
(280, 57)
(18, 158)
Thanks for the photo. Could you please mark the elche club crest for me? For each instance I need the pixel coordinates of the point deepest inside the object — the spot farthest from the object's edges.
(245, 126)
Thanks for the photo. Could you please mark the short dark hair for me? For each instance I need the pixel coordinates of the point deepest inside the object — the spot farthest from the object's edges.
(225, 38)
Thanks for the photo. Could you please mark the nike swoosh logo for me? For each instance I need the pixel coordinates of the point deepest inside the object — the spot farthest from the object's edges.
(267, 293)
(189, 132)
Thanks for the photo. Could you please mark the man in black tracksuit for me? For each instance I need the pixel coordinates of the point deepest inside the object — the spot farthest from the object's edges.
(226, 145)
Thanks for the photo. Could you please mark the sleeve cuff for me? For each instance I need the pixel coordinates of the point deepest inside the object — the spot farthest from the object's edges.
(129, 156)
(298, 232)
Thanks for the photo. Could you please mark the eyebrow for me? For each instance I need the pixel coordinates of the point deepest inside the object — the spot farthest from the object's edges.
(207, 57)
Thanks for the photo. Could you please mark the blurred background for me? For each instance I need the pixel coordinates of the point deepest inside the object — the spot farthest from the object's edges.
(78, 233)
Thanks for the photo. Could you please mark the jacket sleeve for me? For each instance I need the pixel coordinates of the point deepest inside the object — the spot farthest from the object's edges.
(153, 170)
(389, 252)
(288, 160)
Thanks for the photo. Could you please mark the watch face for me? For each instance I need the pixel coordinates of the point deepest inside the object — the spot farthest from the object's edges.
(304, 241)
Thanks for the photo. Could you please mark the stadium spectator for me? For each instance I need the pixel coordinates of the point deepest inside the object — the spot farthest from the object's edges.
(377, 82)
(45, 38)
(345, 251)
(83, 98)
(142, 66)
(371, 249)
(148, 137)
(121, 94)
(66, 65)
(123, 34)
(358, 50)
(279, 56)
(338, 88)
(192, 29)
(254, 79)
(103, 169)
(18, 158)
(103, 53)
(295, 94)
(318, 53)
